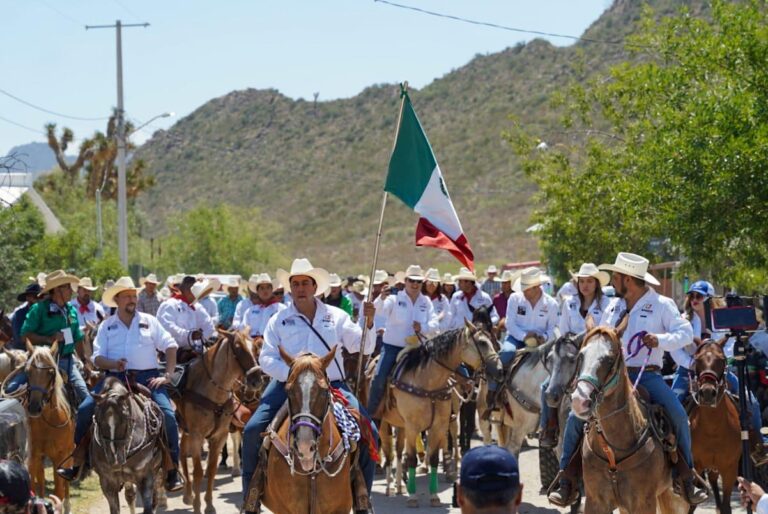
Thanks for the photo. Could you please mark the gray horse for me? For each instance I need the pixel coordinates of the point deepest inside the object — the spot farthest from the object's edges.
(125, 449)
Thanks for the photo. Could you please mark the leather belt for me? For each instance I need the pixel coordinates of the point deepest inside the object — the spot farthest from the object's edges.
(648, 369)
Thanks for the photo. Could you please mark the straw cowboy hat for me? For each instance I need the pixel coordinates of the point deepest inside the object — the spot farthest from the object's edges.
(432, 275)
(380, 277)
(360, 288)
(122, 284)
(232, 282)
(491, 269)
(256, 280)
(39, 278)
(302, 267)
(508, 276)
(152, 279)
(335, 281)
(465, 274)
(632, 265)
(414, 272)
(529, 277)
(202, 289)
(58, 278)
(448, 279)
(87, 284)
(589, 270)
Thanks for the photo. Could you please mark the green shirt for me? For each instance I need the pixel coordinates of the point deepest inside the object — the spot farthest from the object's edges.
(46, 318)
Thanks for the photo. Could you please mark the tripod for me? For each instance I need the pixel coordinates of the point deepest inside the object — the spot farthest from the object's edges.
(740, 357)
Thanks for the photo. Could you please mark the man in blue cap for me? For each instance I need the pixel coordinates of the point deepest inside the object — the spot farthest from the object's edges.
(489, 482)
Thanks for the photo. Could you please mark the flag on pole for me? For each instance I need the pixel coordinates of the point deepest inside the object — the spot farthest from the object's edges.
(415, 178)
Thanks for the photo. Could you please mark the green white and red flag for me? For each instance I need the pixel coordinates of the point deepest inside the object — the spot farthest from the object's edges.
(415, 178)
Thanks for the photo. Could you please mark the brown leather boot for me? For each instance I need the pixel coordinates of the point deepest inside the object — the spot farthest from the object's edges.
(80, 463)
(564, 490)
(548, 437)
(688, 483)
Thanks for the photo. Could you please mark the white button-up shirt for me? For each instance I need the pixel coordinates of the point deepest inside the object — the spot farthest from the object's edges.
(522, 317)
(92, 316)
(290, 329)
(570, 315)
(442, 308)
(654, 314)
(401, 312)
(138, 343)
(255, 315)
(178, 318)
(209, 304)
(459, 310)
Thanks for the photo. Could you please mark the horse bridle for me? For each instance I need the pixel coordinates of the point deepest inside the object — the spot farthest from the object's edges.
(572, 381)
(234, 349)
(46, 391)
(708, 376)
(601, 389)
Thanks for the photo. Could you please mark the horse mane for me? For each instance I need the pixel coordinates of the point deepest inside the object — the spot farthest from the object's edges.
(305, 362)
(439, 346)
(42, 357)
(482, 316)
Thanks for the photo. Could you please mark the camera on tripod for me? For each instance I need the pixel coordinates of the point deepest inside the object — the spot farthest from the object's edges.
(739, 315)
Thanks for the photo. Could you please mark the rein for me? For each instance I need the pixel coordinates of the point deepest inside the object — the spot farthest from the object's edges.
(638, 338)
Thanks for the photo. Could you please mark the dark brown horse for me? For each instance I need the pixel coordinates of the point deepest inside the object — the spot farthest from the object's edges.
(715, 425)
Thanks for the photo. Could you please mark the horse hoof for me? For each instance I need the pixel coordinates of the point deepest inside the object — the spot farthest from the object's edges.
(435, 502)
(187, 500)
(236, 472)
(412, 503)
(210, 509)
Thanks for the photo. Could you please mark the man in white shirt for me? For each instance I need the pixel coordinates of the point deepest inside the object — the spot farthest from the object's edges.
(88, 311)
(188, 325)
(128, 343)
(466, 299)
(408, 313)
(653, 321)
(308, 325)
(255, 311)
(202, 291)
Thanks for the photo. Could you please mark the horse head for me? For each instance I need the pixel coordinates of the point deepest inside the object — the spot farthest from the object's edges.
(563, 364)
(709, 364)
(242, 347)
(309, 402)
(6, 328)
(43, 379)
(113, 419)
(479, 351)
(601, 366)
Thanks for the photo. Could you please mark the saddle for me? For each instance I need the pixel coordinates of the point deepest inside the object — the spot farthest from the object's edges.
(660, 424)
(179, 378)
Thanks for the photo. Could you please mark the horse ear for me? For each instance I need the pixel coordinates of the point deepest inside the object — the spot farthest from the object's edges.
(470, 326)
(285, 356)
(589, 323)
(326, 361)
(30, 346)
(621, 327)
(99, 397)
(721, 342)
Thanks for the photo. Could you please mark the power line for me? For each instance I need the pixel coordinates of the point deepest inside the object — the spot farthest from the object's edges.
(22, 126)
(48, 111)
(61, 13)
(126, 9)
(497, 26)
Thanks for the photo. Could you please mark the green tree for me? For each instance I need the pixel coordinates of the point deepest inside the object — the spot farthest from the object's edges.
(671, 147)
(21, 226)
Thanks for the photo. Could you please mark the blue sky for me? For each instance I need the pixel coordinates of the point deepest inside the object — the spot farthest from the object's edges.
(197, 50)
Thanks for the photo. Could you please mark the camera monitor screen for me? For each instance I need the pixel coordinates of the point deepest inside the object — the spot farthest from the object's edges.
(734, 318)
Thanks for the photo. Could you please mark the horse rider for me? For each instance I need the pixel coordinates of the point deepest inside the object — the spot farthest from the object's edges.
(379, 283)
(202, 291)
(466, 299)
(333, 296)
(228, 305)
(88, 311)
(410, 315)
(589, 301)
(701, 293)
(491, 285)
(188, 325)
(149, 297)
(501, 299)
(127, 344)
(29, 297)
(54, 320)
(440, 303)
(654, 323)
(308, 325)
(532, 317)
(255, 311)
(449, 286)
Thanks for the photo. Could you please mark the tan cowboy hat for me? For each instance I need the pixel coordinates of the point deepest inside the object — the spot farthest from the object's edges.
(448, 279)
(200, 277)
(380, 276)
(87, 284)
(335, 281)
(529, 277)
(39, 278)
(152, 279)
(256, 280)
(507, 276)
(399, 278)
(589, 270)
(122, 284)
(360, 288)
(58, 278)
(414, 272)
(232, 282)
(465, 274)
(433, 275)
(632, 265)
(202, 289)
(305, 268)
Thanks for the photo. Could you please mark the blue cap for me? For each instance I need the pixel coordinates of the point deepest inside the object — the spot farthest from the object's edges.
(702, 287)
(488, 469)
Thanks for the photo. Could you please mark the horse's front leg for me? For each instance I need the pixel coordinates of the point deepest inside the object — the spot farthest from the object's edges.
(237, 440)
(183, 457)
(411, 434)
(130, 496)
(437, 439)
(148, 493)
(37, 473)
(214, 448)
(112, 493)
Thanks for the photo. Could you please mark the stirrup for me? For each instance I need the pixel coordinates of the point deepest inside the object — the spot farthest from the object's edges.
(555, 487)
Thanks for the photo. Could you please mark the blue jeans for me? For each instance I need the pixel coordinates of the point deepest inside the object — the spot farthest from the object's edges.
(387, 360)
(544, 419)
(660, 394)
(271, 400)
(681, 388)
(159, 396)
(68, 368)
(508, 350)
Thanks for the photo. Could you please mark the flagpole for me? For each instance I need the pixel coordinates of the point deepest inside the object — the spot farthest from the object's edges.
(361, 358)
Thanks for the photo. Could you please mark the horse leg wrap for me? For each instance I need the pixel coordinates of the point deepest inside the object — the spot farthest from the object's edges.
(411, 480)
(433, 480)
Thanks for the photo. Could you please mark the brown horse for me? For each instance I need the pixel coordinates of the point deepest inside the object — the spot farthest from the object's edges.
(423, 389)
(715, 424)
(307, 467)
(51, 428)
(206, 407)
(624, 466)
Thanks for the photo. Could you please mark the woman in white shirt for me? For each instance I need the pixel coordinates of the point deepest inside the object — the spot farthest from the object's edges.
(432, 290)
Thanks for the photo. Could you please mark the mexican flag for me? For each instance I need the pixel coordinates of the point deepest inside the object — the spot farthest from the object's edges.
(415, 178)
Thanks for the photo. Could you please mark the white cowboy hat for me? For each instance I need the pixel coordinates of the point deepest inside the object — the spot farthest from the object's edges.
(305, 268)
(632, 265)
(335, 281)
(491, 269)
(87, 284)
(122, 284)
(200, 277)
(529, 277)
(202, 289)
(58, 278)
(40, 278)
(256, 280)
(414, 272)
(380, 276)
(465, 274)
(589, 270)
(399, 278)
(432, 275)
(448, 279)
(507, 276)
(152, 279)
(360, 288)
(232, 282)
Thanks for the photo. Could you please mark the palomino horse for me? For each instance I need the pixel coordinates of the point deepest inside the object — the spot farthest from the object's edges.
(422, 388)
(715, 425)
(125, 448)
(308, 467)
(624, 466)
(206, 407)
(51, 428)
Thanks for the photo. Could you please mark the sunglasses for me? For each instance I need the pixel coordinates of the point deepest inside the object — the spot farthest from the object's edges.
(413, 281)
(279, 293)
(697, 296)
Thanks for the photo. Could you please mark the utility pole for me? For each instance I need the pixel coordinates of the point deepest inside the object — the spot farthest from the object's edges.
(122, 209)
